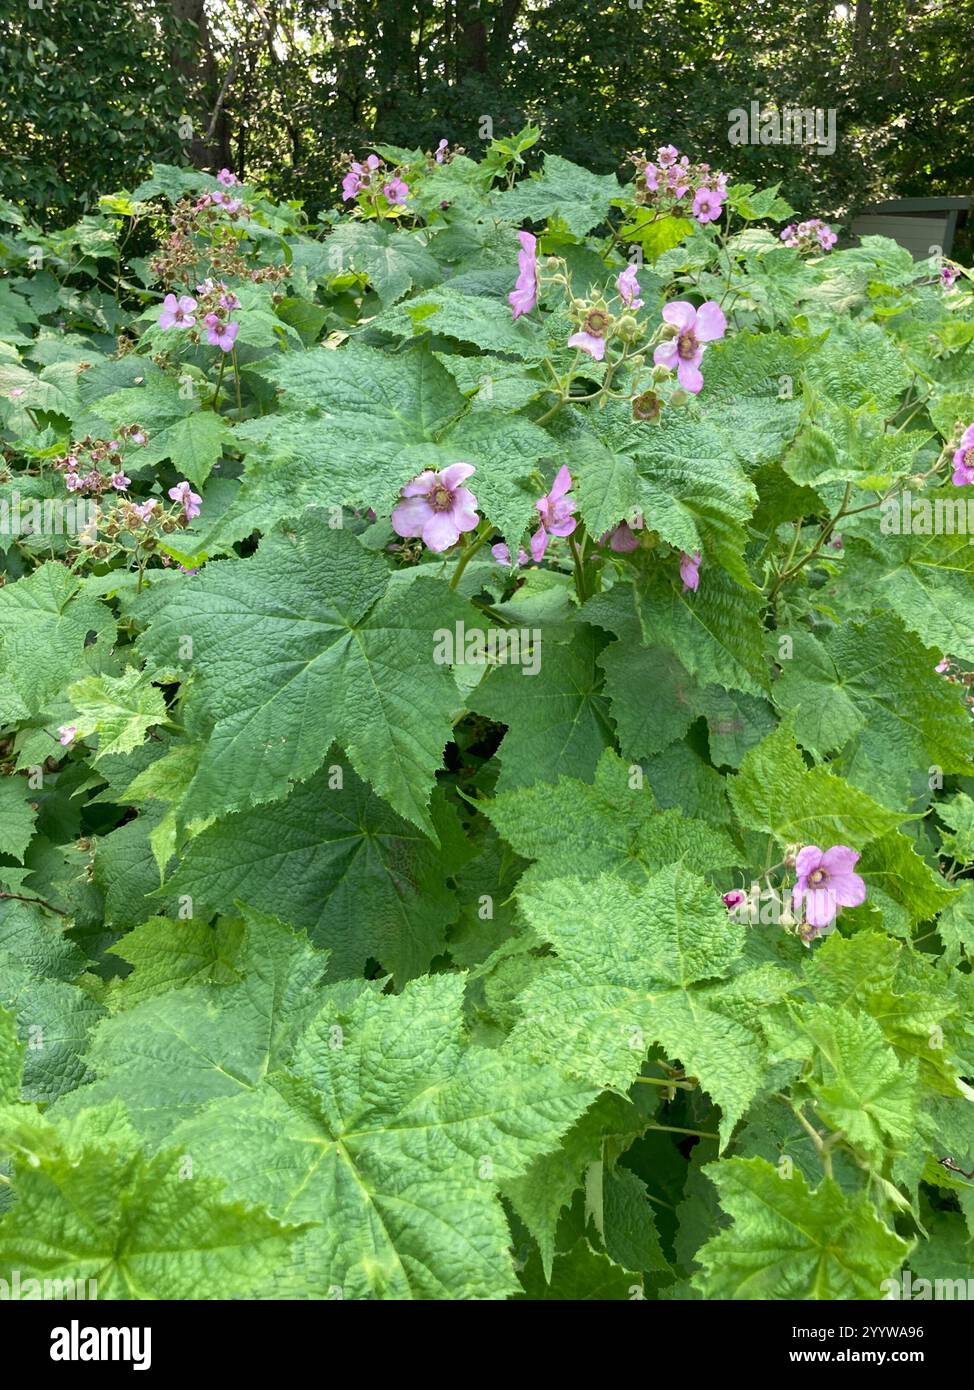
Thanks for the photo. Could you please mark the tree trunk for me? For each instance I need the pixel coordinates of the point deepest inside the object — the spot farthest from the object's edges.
(193, 58)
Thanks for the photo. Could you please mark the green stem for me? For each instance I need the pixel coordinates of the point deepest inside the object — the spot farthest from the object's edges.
(675, 1129)
(469, 553)
(219, 380)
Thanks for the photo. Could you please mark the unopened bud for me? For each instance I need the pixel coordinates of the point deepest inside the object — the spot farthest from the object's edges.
(679, 396)
(627, 327)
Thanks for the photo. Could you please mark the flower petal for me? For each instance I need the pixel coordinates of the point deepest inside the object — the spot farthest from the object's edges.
(680, 313)
(711, 322)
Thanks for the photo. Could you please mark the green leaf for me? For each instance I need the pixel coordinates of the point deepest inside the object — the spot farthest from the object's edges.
(564, 190)
(394, 1135)
(91, 1206)
(775, 792)
(642, 978)
(335, 860)
(394, 261)
(302, 644)
(194, 444)
(557, 719)
(610, 826)
(788, 1241)
(16, 817)
(119, 710)
(45, 621)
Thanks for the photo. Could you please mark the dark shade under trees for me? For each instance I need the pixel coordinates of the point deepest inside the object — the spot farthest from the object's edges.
(93, 91)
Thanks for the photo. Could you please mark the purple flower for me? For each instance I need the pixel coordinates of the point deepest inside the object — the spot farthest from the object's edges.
(622, 539)
(787, 233)
(190, 500)
(628, 288)
(690, 570)
(557, 510)
(120, 482)
(524, 295)
(826, 237)
(221, 335)
(942, 666)
(177, 313)
(226, 201)
(651, 175)
(695, 328)
(826, 882)
(139, 437)
(68, 733)
(707, 205)
(229, 301)
(502, 555)
(964, 459)
(145, 509)
(352, 182)
(372, 163)
(835, 543)
(441, 150)
(948, 274)
(437, 507)
(734, 899)
(396, 191)
(226, 178)
(73, 482)
(667, 155)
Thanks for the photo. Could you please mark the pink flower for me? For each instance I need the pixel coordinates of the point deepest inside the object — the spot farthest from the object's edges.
(690, 570)
(651, 175)
(229, 301)
(396, 191)
(352, 182)
(622, 539)
(734, 899)
(437, 507)
(190, 500)
(226, 178)
(707, 206)
(964, 459)
(557, 510)
(502, 555)
(826, 882)
(441, 150)
(787, 234)
(628, 288)
(372, 163)
(835, 542)
(942, 666)
(139, 437)
(226, 201)
(588, 342)
(145, 509)
(948, 274)
(221, 335)
(177, 313)
(524, 295)
(68, 733)
(826, 237)
(695, 328)
(73, 482)
(120, 482)
(667, 155)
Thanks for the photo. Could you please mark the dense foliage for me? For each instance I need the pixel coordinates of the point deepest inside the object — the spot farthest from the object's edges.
(488, 782)
(92, 92)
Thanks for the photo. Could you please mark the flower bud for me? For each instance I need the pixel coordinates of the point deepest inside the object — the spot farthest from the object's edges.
(791, 854)
(669, 330)
(660, 373)
(627, 327)
(679, 396)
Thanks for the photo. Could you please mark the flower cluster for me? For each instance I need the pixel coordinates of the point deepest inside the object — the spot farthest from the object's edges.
(671, 184)
(202, 233)
(557, 512)
(374, 177)
(813, 235)
(210, 311)
(82, 466)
